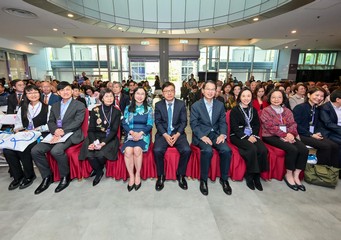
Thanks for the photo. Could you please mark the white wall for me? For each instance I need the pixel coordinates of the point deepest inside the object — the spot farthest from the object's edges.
(39, 64)
(283, 63)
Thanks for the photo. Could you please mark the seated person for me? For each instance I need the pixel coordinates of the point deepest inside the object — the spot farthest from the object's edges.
(32, 115)
(170, 122)
(121, 100)
(15, 99)
(66, 116)
(137, 123)
(48, 97)
(76, 94)
(232, 100)
(102, 142)
(307, 117)
(244, 133)
(331, 119)
(299, 97)
(208, 123)
(3, 95)
(279, 129)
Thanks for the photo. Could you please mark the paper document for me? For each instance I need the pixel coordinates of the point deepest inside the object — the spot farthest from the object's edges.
(49, 137)
(8, 119)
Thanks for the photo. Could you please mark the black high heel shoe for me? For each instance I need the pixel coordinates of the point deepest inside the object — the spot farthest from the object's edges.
(137, 187)
(130, 188)
(293, 187)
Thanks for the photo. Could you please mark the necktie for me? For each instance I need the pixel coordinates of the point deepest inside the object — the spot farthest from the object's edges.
(19, 97)
(169, 128)
(117, 103)
(46, 101)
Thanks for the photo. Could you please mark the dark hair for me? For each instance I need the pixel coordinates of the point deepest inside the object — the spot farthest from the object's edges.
(224, 86)
(276, 90)
(240, 94)
(232, 89)
(255, 92)
(15, 81)
(76, 87)
(167, 84)
(298, 85)
(103, 92)
(316, 89)
(132, 106)
(269, 88)
(335, 94)
(24, 106)
(87, 88)
(63, 85)
(209, 81)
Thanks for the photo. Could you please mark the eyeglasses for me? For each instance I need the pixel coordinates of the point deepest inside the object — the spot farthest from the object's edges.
(31, 93)
(168, 91)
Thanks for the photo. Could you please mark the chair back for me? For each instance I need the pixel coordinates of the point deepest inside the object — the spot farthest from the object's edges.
(85, 124)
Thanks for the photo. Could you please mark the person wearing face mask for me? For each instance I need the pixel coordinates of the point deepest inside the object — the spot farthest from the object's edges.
(307, 117)
(244, 134)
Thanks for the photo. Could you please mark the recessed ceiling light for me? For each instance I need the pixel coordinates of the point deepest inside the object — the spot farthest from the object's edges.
(286, 46)
(30, 43)
(255, 19)
(293, 31)
(55, 29)
(164, 32)
(308, 49)
(207, 29)
(120, 28)
(70, 15)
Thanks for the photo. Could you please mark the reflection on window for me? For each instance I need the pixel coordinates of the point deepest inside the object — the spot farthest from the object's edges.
(310, 58)
(317, 60)
(85, 52)
(240, 54)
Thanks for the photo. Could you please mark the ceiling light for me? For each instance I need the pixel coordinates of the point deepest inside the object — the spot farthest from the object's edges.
(120, 28)
(286, 46)
(30, 43)
(70, 15)
(255, 19)
(183, 41)
(207, 29)
(308, 49)
(55, 29)
(293, 31)
(164, 32)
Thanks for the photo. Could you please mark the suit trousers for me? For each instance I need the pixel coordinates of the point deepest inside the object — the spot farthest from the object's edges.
(97, 164)
(326, 150)
(206, 153)
(160, 147)
(296, 154)
(255, 154)
(14, 158)
(57, 151)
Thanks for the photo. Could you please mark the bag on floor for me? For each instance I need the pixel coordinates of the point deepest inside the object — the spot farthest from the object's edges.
(321, 175)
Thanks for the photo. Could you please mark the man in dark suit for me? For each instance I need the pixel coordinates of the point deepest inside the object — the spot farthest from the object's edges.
(121, 100)
(15, 99)
(171, 121)
(47, 96)
(66, 116)
(208, 123)
(330, 115)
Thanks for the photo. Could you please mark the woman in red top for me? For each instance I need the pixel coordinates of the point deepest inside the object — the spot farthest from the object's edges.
(259, 102)
(279, 129)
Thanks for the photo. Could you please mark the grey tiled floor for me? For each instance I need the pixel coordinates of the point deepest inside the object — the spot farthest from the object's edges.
(109, 211)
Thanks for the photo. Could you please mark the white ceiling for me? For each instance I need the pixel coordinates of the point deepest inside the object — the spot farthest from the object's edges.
(317, 24)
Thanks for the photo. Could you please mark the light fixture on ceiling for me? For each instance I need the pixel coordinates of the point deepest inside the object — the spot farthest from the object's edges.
(20, 13)
(207, 29)
(308, 49)
(183, 41)
(70, 15)
(293, 31)
(30, 43)
(120, 28)
(164, 32)
(55, 29)
(286, 47)
(255, 19)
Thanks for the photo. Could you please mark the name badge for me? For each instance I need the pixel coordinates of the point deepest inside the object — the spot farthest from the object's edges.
(311, 129)
(59, 123)
(283, 128)
(248, 131)
(107, 132)
(30, 126)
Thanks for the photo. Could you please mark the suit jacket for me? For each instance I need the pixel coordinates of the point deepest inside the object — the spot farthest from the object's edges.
(238, 122)
(124, 101)
(200, 121)
(179, 120)
(52, 99)
(303, 116)
(72, 121)
(12, 103)
(328, 118)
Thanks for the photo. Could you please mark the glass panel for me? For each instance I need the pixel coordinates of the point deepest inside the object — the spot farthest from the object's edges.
(202, 59)
(60, 54)
(310, 58)
(240, 54)
(103, 52)
(239, 74)
(115, 76)
(114, 52)
(84, 52)
(213, 52)
(301, 58)
(332, 58)
(264, 55)
(125, 58)
(322, 58)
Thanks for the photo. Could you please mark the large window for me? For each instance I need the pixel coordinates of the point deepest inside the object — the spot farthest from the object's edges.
(317, 60)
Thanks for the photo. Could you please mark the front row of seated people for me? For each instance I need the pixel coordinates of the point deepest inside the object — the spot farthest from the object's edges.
(280, 128)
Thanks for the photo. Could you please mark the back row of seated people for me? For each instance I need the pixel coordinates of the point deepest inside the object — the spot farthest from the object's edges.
(279, 127)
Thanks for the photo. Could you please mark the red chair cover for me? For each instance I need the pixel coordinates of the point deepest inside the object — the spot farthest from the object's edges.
(72, 153)
(172, 157)
(276, 163)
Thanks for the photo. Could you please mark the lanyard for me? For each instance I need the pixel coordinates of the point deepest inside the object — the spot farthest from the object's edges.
(247, 117)
(313, 110)
(30, 119)
(105, 116)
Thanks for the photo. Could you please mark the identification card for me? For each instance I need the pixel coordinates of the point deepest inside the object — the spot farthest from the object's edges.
(248, 131)
(311, 129)
(59, 123)
(107, 132)
(283, 128)
(30, 126)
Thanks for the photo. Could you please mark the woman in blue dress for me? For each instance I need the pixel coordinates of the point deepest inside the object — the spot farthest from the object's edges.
(137, 123)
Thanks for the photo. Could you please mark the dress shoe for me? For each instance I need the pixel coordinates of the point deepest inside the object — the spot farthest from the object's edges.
(160, 183)
(64, 183)
(203, 187)
(137, 186)
(226, 186)
(130, 188)
(27, 182)
(292, 186)
(44, 185)
(182, 182)
(93, 173)
(249, 181)
(257, 182)
(15, 184)
(97, 179)
(301, 187)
